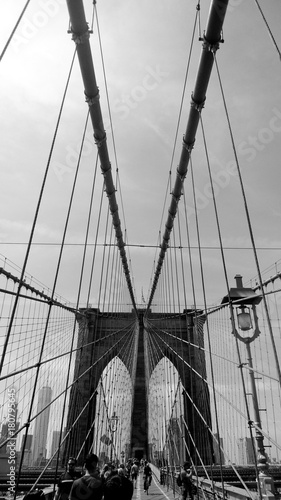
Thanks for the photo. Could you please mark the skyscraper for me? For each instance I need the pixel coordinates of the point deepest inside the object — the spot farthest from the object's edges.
(39, 441)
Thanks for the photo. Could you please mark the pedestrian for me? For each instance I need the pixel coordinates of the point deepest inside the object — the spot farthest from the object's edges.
(89, 486)
(127, 485)
(147, 476)
(105, 472)
(134, 473)
(128, 469)
(65, 481)
(117, 486)
(184, 480)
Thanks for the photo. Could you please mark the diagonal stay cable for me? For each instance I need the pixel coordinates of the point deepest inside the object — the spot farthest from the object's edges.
(112, 348)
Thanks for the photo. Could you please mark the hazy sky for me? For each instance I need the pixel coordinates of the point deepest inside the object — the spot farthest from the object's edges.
(145, 49)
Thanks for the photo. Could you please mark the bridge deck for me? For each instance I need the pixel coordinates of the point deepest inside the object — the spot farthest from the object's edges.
(156, 491)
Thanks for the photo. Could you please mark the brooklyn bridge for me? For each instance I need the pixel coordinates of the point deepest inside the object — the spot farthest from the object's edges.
(177, 358)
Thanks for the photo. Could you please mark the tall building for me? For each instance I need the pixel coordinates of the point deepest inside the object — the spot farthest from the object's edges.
(39, 441)
(246, 454)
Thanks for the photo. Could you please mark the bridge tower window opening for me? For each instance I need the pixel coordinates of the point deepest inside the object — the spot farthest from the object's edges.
(114, 401)
(165, 400)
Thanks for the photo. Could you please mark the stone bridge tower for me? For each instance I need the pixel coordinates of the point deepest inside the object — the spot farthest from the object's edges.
(98, 333)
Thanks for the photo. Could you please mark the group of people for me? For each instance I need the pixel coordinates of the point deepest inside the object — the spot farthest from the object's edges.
(111, 483)
(135, 467)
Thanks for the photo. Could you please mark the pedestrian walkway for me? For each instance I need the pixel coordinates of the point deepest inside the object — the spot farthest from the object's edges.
(156, 491)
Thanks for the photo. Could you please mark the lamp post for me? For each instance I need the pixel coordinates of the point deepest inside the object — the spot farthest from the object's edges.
(247, 303)
(113, 428)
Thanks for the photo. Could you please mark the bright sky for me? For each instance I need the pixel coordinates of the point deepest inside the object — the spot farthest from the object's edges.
(145, 48)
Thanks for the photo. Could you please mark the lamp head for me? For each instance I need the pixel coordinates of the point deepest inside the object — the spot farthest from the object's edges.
(244, 319)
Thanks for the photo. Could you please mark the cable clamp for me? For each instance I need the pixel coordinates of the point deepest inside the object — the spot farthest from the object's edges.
(211, 47)
(197, 105)
(188, 147)
(173, 215)
(109, 195)
(92, 100)
(105, 173)
(82, 38)
(176, 199)
(100, 142)
(241, 365)
(180, 176)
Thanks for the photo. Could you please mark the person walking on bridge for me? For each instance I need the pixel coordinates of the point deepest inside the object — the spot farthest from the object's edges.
(89, 486)
(134, 473)
(147, 476)
(184, 480)
(117, 486)
(65, 481)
